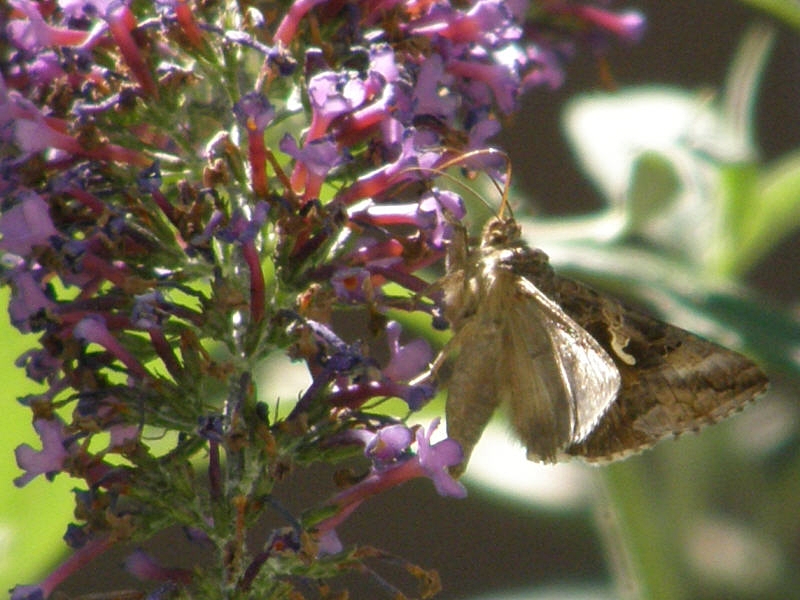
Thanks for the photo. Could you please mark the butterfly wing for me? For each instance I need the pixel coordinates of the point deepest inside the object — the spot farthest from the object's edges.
(472, 391)
(520, 347)
(561, 381)
(672, 380)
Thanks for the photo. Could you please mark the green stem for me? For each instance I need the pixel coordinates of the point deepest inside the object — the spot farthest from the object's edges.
(639, 536)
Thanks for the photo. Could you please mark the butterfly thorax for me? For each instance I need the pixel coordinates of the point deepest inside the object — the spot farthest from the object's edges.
(487, 272)
(503, 249)
(501, 233)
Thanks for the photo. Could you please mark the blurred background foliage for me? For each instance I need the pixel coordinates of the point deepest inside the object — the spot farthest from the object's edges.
(682, 201)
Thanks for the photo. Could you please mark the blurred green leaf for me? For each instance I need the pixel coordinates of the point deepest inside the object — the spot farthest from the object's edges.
(772, 334)
(653, 189)
(767, 206)
(738, 184)
(644, 150)
(680, 170)
(783, 10)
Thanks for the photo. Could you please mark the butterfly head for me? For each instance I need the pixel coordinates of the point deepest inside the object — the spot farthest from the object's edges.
(500, 232)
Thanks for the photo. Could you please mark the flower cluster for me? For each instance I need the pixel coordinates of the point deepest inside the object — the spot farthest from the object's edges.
(189, 187)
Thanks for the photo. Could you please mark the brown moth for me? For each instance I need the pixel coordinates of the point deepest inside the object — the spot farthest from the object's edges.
(583, 374)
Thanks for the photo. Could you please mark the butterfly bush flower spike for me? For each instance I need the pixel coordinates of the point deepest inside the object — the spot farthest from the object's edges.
(191, 187)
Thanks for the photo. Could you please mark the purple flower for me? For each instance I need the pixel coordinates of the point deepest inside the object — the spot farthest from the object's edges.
(26, 224)
(333, 94)
(383, 61)
(360, 124)
(329, 360)
(135, 272)
(244, 227)
(121, 436)
(313, 163)
(35, 132)
(354, 377)
(433, 215)
(386, 446)
(50, 459)
(35, 33)
(436, 459)
(376, 253)
(328, 544)
(487, 23)
(145, 567)
(254, 112)
(354, 286)
(628, 25)
(89, 8)
(547, 64)
(149, 310)
(28, 300)
(403, 168)
(431, 461)
(28, 592)
(481, 129)
(39, 365)
(105, 411)
(502, 77)
(353, 395)
(93, 329)
(76, 536)
(406, 361)
(121, 22)
(432, 81)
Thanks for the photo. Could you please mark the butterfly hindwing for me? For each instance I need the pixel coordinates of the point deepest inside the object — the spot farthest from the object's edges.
(672, 380)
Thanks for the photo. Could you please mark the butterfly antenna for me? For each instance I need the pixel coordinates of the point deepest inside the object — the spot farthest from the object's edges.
(461, 159)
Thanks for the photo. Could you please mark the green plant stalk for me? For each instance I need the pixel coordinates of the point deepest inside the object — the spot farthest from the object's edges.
(639, 537)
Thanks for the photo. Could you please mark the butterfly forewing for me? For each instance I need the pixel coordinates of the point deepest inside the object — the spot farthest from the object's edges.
(473, 392)
(561, 381)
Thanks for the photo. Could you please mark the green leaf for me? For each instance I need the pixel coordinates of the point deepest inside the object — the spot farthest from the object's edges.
(653, 189)
(680, 167)
(767, 209)
(783, 10)
(772, 334)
